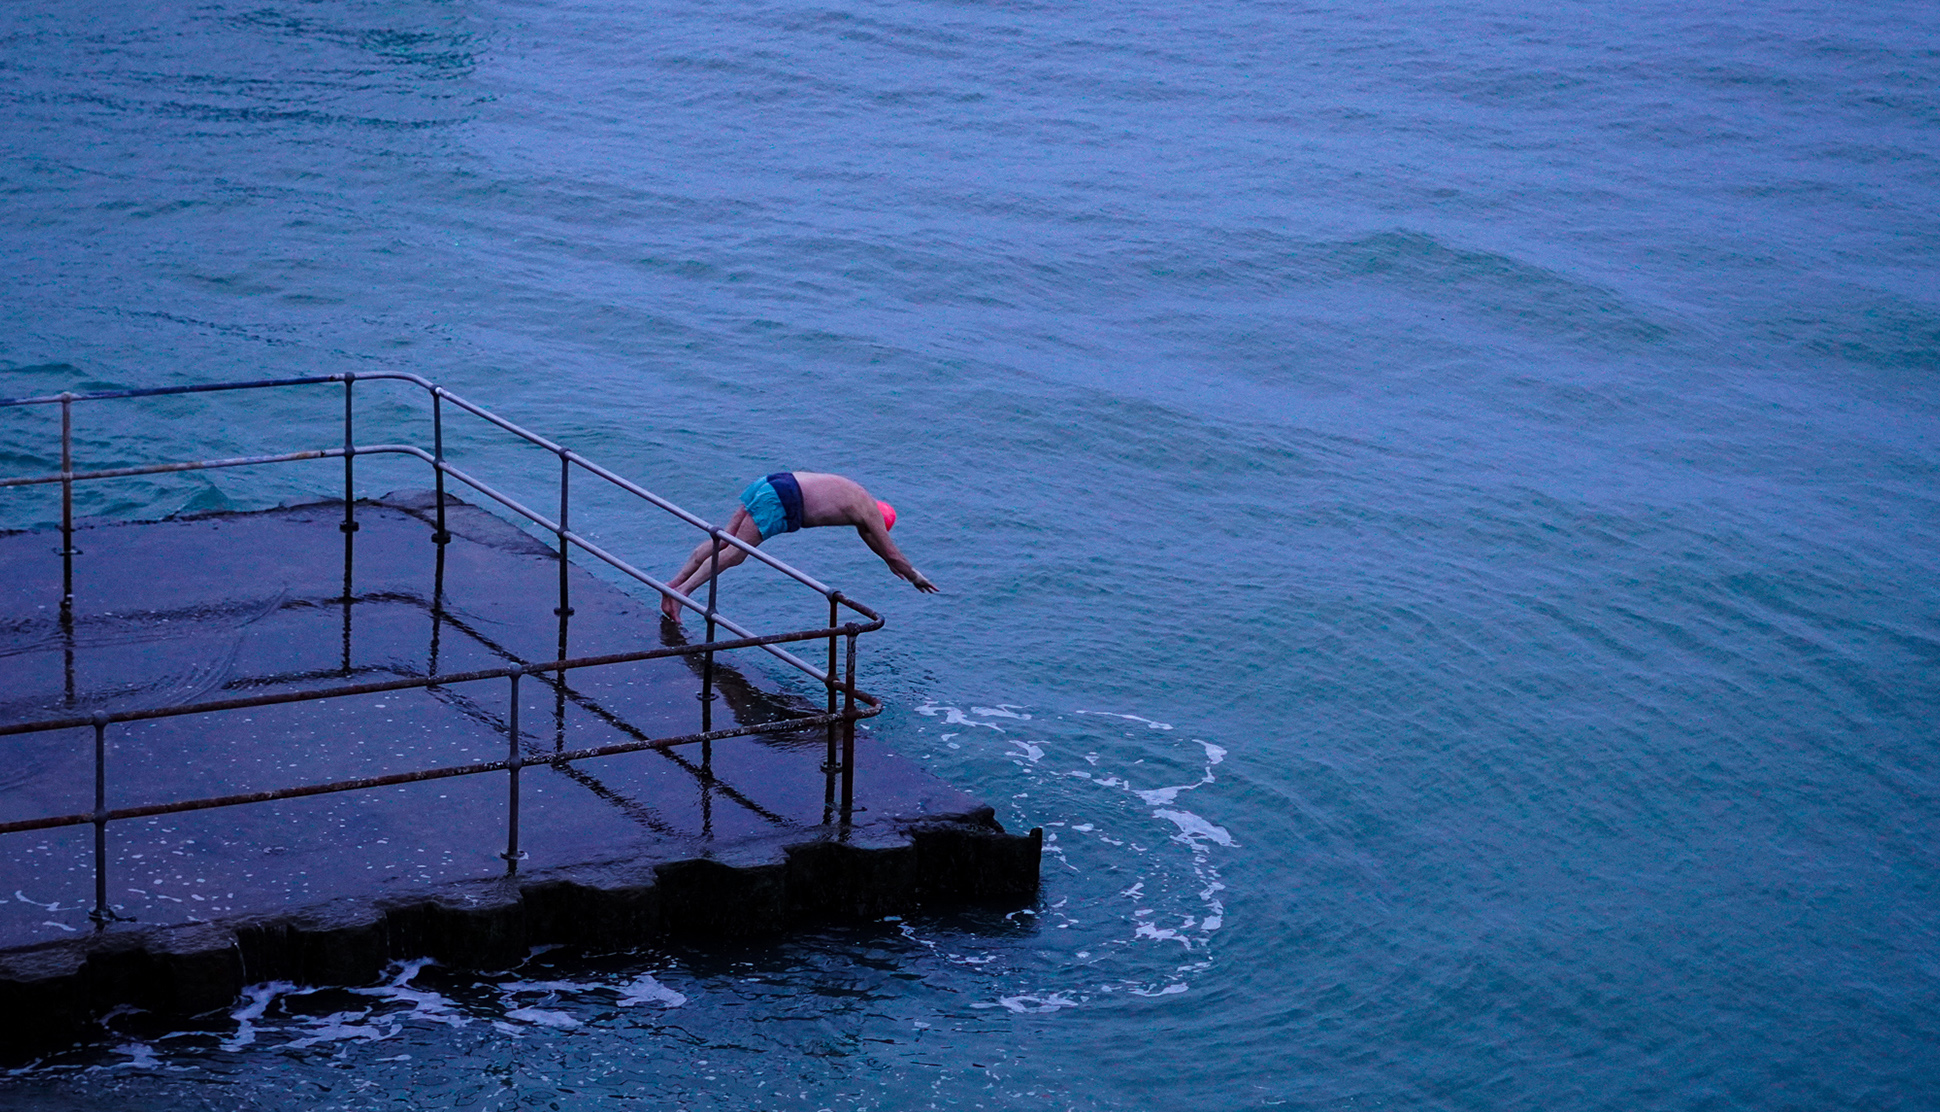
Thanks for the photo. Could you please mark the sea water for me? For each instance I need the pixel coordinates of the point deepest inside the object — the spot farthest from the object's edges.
(1435, 506)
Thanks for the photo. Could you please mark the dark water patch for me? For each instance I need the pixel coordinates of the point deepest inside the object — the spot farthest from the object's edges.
(1512, 87)
(1891, 335)
(913, 39)
(434, 51)
(1495, 286)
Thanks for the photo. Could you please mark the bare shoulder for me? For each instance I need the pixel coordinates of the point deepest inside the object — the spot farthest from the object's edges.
(832, 499)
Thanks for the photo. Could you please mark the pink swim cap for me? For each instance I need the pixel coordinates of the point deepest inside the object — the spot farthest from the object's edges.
(888, 514)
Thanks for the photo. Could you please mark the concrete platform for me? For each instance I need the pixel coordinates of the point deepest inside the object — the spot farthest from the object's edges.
(328, 889)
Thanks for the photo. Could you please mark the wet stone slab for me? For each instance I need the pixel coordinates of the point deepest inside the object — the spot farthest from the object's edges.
(618, 849)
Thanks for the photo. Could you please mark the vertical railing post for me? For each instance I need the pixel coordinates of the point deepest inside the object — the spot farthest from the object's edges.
(350, 466)
(848, 734)
(102, 913)
(437, 610)
(829, 761)
(350, 563)
(67, 502)
(68, 551)
(707, 658)
(349, 523)
(442, 536)
(67, 653)
(564, 609)
(565, 507)
(514, 761)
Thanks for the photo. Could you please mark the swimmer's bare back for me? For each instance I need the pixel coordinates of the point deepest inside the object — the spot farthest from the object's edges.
(834, 500)
(826, 500)
(839, 500)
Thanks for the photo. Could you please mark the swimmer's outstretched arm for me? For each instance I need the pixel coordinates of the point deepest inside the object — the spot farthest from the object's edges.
(877, 538)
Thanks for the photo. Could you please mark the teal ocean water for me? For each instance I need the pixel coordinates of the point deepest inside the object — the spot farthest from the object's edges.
(1436, 506)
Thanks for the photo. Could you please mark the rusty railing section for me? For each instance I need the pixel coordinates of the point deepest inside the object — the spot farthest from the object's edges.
(846, 704)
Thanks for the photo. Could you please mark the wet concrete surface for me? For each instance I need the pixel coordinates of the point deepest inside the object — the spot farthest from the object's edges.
(225, 605)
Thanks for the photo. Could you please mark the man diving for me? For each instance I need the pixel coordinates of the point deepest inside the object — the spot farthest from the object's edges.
(784, 502)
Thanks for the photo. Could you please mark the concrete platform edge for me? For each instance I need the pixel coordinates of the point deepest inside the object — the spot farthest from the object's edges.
(52, 994)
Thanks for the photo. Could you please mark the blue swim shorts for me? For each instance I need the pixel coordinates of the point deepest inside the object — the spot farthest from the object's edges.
(775, 503)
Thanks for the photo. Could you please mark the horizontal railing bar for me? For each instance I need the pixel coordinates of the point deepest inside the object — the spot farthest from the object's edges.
(870, 705)
(416, 380)
(546, 523)
(630, 487)
(561, 666)
(479, 485)
(719, 618)
(480, 411)
(641, 492)
(510, 503)
(209, 464)
(158, 391)
(551, 526)
(159, 468)
(366, 783)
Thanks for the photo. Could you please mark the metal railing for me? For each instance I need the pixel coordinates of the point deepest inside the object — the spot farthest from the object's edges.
(845, 703)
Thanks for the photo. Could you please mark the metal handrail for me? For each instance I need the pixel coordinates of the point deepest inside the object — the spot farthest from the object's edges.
(503, 499)
(842, 721)
(444, 680)
(437, 392)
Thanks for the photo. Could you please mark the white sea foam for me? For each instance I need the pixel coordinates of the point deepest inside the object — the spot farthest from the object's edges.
(954, 716)
(256, 1001)
(1151, 921)
(344, 1026)
(641, 990)
(542, 1017)
(1150, 724)
(1051, 847)
(510, 987)
(140, 1056)
(1191, 827)
(1157, 934)
(1159, 797)
(425, 1004)
(1049, 1002)
(1192, 831)
(645, 990)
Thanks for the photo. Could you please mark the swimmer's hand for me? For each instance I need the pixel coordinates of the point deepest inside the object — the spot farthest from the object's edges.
(922, 584)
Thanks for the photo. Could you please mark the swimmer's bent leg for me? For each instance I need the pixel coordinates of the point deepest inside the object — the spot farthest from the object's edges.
(695, 573)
